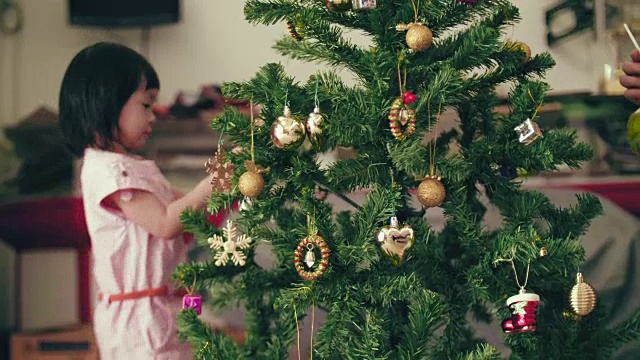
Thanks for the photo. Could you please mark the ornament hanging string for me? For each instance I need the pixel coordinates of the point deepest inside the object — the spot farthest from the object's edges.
(311, 224)
(316, 102)
(201, 352)
(251, 125)
(313, 320)
(433, 147)
(510, 20)
(286, 97)
(191, 289)
(402, 82)
(515, 272)
(295, 318)
(534, 101)
(313, 317)
(416, 8)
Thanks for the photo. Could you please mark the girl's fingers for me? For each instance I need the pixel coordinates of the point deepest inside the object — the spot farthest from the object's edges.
(631, 68)
(630, 82)
(633, 95)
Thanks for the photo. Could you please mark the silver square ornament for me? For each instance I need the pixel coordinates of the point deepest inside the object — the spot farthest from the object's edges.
(364, 4)
(528, 132)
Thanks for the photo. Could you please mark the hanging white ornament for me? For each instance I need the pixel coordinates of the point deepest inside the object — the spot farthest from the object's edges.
(229, 245)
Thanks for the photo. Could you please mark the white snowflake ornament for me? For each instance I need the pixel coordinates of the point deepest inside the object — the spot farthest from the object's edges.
(229, 245)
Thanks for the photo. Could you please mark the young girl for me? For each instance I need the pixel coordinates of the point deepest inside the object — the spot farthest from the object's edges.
(132, 213)
(632, 78)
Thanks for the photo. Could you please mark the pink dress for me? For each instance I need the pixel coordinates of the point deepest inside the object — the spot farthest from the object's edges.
(127, 258)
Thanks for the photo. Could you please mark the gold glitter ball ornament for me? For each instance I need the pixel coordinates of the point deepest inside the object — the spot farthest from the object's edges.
(431, 192)
(338, 5)
(419, 37)
(583, 297)
(251, 184)
(520, 46)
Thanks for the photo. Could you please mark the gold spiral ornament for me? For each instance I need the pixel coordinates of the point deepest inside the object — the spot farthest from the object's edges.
(583, 297)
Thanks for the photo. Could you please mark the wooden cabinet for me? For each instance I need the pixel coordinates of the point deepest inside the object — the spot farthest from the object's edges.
(76, 343)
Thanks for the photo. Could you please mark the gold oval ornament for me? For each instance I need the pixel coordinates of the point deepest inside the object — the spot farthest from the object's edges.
(583, 297)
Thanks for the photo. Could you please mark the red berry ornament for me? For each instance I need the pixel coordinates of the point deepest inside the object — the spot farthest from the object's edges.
(409, 97)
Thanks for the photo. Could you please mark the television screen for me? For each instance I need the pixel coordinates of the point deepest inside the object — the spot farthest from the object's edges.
(123, 13)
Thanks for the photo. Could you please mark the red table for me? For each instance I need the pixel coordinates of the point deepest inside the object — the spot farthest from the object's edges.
(624, 191)
(48, 223)
(54, 223)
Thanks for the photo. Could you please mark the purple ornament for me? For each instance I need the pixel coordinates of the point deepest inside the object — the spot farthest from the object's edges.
(192, 302)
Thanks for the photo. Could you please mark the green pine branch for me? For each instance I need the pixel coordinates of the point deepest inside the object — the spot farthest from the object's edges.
(206, 343)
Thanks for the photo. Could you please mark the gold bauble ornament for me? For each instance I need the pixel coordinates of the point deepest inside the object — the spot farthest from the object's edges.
(419, 37)
(583, 297)
(520, 46)
(251, 182)
(338, 5)
(544, 252)
(287, 132)
(431, 192)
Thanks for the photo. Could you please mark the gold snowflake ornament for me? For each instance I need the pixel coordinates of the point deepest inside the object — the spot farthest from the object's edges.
(229, 245)
(222, 171)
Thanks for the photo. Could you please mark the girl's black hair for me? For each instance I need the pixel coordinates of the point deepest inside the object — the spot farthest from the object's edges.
(96, 85)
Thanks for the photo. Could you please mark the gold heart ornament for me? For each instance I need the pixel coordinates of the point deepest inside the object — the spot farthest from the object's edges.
(396, 241)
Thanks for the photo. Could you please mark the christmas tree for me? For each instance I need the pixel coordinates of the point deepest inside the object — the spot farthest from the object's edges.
(391, 286)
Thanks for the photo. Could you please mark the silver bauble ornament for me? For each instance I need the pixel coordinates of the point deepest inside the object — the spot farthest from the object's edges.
(316, 124)
(287, 132)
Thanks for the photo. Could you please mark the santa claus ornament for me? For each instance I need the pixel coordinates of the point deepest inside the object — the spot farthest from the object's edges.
(523, 307)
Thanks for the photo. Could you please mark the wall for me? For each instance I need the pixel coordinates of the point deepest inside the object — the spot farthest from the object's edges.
(212, 44)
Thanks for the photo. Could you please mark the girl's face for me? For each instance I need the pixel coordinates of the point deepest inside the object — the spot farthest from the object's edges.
(136, 120)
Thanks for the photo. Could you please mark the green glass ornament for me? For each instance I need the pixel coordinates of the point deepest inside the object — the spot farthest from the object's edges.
(633, 131)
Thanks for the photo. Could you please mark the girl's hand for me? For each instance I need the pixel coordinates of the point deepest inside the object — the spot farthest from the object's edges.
(632, 78)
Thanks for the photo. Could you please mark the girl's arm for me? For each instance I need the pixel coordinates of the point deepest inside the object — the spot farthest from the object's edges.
(177, 193)
(632, 78)
(146, 210)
